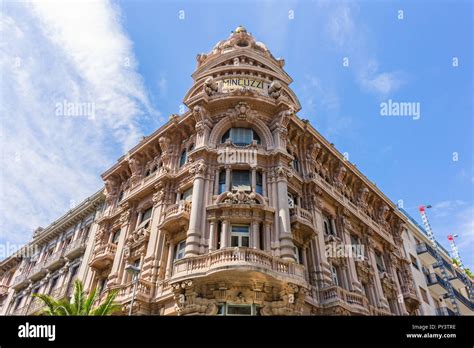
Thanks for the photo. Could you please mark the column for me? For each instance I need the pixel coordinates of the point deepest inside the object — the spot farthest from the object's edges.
(151, 262)
(380, 297)
(255, 235)
(286, 238)
(115, 273)
(224, 234)
(354, 283)
(264, 183)
(212, 236)
(266, 236)
(169, 264)
(323, 270)
(193, 235)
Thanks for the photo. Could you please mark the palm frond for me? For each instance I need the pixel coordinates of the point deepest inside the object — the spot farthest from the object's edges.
(108, 307)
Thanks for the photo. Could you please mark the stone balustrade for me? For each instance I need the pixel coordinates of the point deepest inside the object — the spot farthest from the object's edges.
(335, 293)
(237, 257)
(301, 213)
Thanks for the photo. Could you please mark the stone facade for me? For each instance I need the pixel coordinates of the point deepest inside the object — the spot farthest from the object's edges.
(239, 207)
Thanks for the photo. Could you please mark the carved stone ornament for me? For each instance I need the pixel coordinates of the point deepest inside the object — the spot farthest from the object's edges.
(274, 90)
(210, 86)
(240, 197)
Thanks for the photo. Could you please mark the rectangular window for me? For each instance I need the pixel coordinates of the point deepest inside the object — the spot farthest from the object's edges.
(188, 194)
(179, 250)
(241, 180)
(54, 282)
(414, 262)
(239, 310)
(379, 262)
(424, 295)
(147, 214)
(259, 187)
(328, 230)
(116, 236)
(221, 181)
(335, 278)
(239, 236)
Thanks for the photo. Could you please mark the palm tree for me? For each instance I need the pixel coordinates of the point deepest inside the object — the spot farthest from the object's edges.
(79, 303)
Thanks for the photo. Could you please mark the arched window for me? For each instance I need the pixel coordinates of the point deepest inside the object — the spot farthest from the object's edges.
(184, 158)
(241, 136)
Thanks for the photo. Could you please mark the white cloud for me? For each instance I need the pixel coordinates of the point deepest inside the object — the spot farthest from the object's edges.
(382, 83)
(53, 52)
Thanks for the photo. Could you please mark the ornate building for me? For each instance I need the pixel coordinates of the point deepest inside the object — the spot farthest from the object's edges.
(239, 207)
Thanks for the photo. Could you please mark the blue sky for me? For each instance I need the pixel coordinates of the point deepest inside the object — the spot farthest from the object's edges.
(133, 60)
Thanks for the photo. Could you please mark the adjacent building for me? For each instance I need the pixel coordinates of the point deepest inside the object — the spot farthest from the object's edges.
(236, 207)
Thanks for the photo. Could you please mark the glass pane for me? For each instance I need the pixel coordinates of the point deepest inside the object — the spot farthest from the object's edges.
(183, 158)
(241, 136)
(187, 195)
(146, 214)
(245, 241)
(240, 228)
(240, 178)
(239, 310)
(234, 241)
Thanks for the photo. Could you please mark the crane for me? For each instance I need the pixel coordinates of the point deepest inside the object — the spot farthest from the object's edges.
(439, 258)
(457, 257)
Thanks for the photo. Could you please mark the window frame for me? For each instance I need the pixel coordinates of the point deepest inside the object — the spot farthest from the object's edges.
(240, 236)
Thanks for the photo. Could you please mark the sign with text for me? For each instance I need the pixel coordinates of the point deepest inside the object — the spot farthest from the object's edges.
(231, 84)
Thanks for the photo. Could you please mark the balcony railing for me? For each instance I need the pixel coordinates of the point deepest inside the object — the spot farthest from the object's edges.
(143, 290)
(54, 261)
(103, 255)
(434, 279)
(182, 206)
(76, 247)
(301, 213)
(20, 310)
(237, 257)
(464, 300)
(35, 305)
(20, 280)
(335, 293)
(37, 271)
(444, 311)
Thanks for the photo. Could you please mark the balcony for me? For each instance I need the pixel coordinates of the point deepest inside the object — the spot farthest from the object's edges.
(37, 272)
(103, 256)
(177, 215)
(465, 306)
(20, 310)
(54, 261)
(335, 295)
(143, 292)
(3, 290)
(447, 266)
(35, 306)
(437, 285)
(238, 259)
(410, 297)
(59, 293)
(20, 281)
(426, 253)
(76, 248)
(444, 311)
(302, 218)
